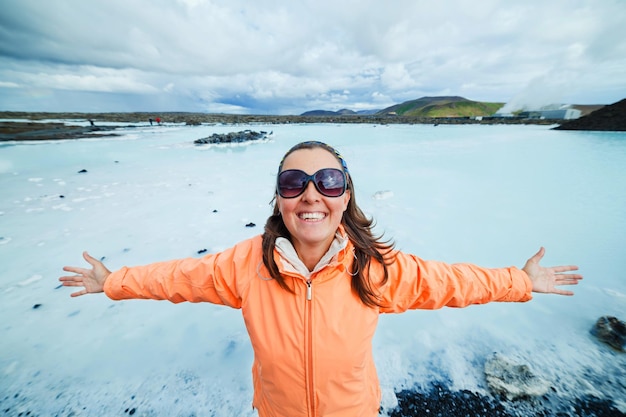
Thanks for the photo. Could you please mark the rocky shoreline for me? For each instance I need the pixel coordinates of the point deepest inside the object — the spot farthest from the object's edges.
(436, 401)
(36, 126)
(20, 131)
(440, 401)
(208, 118)
(20, 126)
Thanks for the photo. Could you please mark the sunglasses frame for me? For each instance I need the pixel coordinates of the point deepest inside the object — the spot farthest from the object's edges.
(311, 178)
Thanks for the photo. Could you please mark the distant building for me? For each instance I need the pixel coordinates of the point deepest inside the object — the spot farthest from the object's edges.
(531, 115)
(568, 113)
(548, 112)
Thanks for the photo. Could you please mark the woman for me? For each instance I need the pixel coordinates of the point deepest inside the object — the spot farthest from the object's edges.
(312, 286)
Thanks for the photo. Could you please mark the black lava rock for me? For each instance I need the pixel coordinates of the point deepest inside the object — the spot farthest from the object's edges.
(611, 331)
(440, 401)
(231, 137)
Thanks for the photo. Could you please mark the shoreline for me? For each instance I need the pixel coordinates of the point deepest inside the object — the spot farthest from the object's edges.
(436, 400)
(207, 118)
(440, 400)
(33, 131)
(26, 126)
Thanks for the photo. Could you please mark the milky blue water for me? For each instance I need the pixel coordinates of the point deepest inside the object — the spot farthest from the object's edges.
(490, 195)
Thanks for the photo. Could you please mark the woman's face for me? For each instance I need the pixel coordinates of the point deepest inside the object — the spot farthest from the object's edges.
(312, 218)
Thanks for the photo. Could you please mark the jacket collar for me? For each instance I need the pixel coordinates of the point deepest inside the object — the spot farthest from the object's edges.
(292, 263)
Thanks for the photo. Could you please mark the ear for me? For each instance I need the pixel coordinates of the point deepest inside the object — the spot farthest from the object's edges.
(346, 199)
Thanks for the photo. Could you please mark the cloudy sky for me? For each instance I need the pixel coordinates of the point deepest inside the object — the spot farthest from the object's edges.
(288, 56)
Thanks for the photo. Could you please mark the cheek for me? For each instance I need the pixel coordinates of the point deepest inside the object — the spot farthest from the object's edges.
(339, 206)
(284, 205)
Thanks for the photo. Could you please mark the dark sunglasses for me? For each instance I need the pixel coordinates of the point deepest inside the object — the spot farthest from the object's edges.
(330, 182)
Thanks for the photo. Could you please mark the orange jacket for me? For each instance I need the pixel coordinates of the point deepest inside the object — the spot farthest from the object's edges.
(313, 349)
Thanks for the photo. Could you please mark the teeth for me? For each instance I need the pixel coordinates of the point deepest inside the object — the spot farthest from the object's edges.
(312, 216)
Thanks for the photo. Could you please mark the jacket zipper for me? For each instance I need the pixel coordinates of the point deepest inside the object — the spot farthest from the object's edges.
(309, 296)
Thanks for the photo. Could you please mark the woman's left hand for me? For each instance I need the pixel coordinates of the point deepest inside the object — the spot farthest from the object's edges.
(545, 280)
(92, 280)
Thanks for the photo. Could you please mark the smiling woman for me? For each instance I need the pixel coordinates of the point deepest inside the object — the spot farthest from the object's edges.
(312, 287)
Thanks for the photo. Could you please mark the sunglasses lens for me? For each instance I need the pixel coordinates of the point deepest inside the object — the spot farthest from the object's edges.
(291, 183)
(330, 182)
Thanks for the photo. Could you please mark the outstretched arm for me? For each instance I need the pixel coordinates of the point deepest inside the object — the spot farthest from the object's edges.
(545, 279)
(92, 280)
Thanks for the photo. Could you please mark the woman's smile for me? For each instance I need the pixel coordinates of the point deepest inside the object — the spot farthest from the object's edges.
(312, 216)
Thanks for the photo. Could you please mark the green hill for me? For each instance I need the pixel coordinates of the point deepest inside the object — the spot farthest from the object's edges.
(452, 106)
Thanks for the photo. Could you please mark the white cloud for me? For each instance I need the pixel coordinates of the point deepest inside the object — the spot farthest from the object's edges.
(276, 55)
(90, 79)
(396, 77)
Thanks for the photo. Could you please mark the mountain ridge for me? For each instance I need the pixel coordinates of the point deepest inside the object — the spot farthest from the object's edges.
(437, 107)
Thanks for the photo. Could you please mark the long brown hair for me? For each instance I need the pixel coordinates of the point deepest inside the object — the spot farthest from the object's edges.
(358, 226)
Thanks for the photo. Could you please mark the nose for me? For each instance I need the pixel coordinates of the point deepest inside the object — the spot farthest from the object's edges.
(310, 192)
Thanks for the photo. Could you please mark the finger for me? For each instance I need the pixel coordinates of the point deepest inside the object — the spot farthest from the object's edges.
(538, 256)
(562, 292)
(73, 284)
(72, 278)
(564, 268)
(75, 269)
(569, 276)
(78, 293)
(67, 278)
(567, 281)
(90, 259)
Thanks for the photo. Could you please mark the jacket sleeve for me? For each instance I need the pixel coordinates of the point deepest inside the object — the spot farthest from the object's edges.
(216, 278)
(418, 284)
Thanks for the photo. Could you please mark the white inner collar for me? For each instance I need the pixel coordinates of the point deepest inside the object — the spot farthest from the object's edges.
(294, 263)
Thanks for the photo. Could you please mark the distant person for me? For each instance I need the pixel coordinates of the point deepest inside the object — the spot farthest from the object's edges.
(150, 120)
(158, 120)
(312, 286)
(91, 122)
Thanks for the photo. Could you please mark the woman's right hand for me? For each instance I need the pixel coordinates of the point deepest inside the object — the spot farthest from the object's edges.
(91, 279)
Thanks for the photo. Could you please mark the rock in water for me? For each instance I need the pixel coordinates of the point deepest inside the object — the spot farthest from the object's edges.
(232, 137)
(611, 331)
(513, 380)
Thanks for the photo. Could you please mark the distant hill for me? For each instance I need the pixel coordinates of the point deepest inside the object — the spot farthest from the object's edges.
(611, 117)
(342, 112)
(436, 107)
(366, 112)
(445, 106)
